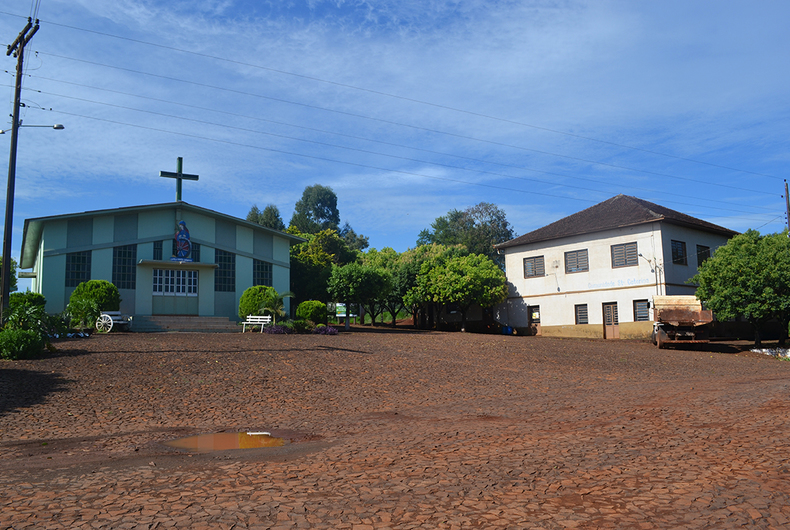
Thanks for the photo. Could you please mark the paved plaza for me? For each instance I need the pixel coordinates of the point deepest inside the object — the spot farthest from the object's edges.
(394, 430)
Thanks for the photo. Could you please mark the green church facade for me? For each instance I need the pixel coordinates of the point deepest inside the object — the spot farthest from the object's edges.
(137, 249)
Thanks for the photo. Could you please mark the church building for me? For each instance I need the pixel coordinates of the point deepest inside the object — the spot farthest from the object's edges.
(166, 259)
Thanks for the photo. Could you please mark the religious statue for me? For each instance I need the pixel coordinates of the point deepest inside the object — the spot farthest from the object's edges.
(183, 245)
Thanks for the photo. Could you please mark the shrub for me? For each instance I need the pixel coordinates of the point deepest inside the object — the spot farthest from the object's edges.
(276, 329)
(28, 317)
(313, 310)
(27, 298)
(20, 344)
(252, 298)
(325, 330)
(82, 313)
(104, 293)
(303, 326)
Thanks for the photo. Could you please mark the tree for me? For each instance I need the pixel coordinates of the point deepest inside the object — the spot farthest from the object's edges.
(749, 277)
(274, 303)
(316, 210)
(12, 282)
(478, 228)
(360, 284)
(393, 262)
(269, 217)
(416, 296)
(353, 240)
(311, 262)
(463, 281)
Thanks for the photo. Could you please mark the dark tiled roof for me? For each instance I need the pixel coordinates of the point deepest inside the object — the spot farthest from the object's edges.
(617, 212)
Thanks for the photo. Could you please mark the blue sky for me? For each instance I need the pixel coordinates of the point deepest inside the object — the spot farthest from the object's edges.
(406, 109)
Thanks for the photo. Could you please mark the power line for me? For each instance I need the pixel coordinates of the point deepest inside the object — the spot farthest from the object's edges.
(596, 181)
(412, 100)
(416, 127)
(365, 151)
(354, 164)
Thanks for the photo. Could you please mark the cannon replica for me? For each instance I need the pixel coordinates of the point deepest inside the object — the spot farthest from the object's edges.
(680, 320)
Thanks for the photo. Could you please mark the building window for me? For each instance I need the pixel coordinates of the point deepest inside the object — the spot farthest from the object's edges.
(261, 273)
(703, 254)
(534, 267)
(581, 313)
(124, 269)
(679, 253)
(225, 275)
(78, 268)
(641, 311)
(171, 282)
(576, 261)
(624, 255)
(158, 250)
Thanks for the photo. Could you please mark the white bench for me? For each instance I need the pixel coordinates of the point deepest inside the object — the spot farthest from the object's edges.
(256, 320)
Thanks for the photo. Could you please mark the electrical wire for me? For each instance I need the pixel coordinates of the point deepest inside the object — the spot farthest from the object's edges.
(416, 127)
(513, 166)
(359, 150)
(412, 100)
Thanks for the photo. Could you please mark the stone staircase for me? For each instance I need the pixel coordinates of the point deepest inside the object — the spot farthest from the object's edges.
(152, 324)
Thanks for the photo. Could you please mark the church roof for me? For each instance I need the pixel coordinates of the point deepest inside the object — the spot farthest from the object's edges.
(617, 212)
(31, 236)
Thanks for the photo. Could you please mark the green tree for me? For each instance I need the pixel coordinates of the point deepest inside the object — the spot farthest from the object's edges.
(393, 262)
(353, 240)
(416, 297)
(312, 261)
(360, 284)
(269, 217)
(749, 277)
(12, 286)
(463, 281)
(478, 228)
(316, 210)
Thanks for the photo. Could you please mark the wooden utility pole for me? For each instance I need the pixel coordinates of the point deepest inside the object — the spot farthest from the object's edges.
(17, 48)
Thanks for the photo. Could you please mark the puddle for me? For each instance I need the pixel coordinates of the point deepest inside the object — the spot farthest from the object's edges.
(224, 441)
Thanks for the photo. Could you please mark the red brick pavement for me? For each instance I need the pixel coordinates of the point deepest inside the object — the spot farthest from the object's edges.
(417, 430)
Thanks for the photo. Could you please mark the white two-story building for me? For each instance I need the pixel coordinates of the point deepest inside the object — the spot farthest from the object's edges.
(594, 273)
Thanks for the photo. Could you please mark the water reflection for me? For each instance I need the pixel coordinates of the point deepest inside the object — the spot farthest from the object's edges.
(223, 441)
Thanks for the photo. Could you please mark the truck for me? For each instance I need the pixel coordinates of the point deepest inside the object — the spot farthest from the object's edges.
(680, 320)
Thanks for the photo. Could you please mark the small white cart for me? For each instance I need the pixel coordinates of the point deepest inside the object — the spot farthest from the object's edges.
(108, 319)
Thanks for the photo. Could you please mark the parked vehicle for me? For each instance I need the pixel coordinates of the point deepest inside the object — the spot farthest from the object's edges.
(680, 320)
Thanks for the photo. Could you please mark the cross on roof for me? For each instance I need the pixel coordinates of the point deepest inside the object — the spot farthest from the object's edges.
(178, 175)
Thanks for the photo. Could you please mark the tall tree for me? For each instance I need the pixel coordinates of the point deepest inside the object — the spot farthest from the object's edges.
(353, 240)
(316, 210)
(749, 277)
(478, 228)
(312, 261)
(269, 217)
(391, 261)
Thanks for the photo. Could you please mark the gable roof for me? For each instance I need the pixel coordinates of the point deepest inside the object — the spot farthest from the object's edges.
(617, 212)
(31, 236)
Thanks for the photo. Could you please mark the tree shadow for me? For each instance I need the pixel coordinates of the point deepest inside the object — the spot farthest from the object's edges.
(25, 388)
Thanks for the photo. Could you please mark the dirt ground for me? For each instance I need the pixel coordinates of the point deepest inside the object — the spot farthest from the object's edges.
(394, 430)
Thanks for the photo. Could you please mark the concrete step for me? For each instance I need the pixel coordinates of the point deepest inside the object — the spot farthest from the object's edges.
(151, 324)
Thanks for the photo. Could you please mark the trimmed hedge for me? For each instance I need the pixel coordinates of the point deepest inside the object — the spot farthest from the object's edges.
(104, 293)
(312, 310)
(252, 298)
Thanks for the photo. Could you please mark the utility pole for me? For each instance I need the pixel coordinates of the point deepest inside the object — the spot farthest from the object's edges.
(787, 202)
(18, 49)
